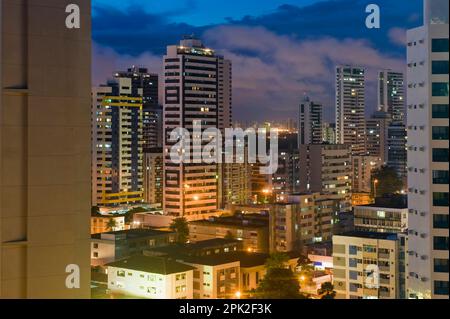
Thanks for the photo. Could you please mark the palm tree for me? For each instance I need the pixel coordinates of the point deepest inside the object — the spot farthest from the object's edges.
(326, 291)
(111, 224)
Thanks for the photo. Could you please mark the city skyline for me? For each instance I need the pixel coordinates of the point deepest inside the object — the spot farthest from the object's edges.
(279, 56)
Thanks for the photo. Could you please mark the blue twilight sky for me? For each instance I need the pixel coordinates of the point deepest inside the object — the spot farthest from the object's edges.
(280, 49)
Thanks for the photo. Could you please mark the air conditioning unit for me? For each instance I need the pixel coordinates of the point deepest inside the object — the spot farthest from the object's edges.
(423, 214)
(423, 235)
(424, 257)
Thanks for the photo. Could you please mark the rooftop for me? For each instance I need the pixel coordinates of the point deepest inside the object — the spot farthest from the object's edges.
(133, 233)
(244, 220)
(151, 264)
(370, 235)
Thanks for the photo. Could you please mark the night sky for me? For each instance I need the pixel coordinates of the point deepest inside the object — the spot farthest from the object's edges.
(281, 49)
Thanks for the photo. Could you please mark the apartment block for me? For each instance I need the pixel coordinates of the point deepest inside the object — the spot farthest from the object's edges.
(350, 108)
(117, 153)
(327, 169)
(153, 176)
(151, 278)
(366, 266)
(428, 160)
(115, 245)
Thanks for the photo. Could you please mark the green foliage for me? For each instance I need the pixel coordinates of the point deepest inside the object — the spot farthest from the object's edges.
(326, 291)
(385, 181)
(111, 224)
(278, 283)
(181, 227)
(277, 260)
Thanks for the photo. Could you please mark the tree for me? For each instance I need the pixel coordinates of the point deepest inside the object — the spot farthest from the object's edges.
(306, 269)
(385, 181)
(277, 260)
(111, 224)
(278, 283)
(326, 291)
(181, 227)
(95, 210)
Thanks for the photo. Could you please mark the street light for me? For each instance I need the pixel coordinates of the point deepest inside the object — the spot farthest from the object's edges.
(375, 182)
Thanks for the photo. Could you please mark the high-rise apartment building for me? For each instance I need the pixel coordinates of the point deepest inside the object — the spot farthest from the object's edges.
(153, 176)
(396, 141)
(193, 81)
(117, 157)
(428, 159)
(45, 76)
(391, 94)
(310, 122)
(145, 84)
(350, 108)
(377, 135)
(327, 169)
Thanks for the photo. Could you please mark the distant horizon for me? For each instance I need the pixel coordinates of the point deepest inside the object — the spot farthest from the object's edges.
(280, 51)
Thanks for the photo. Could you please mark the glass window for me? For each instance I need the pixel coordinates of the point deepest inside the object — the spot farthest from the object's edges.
(353, 262)
(440, 177)
(441, 265)
(440, 132)
(440, 199)
(440, 89)
(440, 243)
(440, 111)
(353, 250)
(440, 221)
(441, 287)
(439, 67)
(353, 275)
(440, 155)
(439, 45)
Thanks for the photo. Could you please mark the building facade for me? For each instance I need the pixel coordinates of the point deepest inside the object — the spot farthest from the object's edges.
(366, 266)
(350, 108)
(193, 75)
(151, 278)
(327, 169)
(310, 122)
(117, 152)
(391, 94)
(363, 166)
(45, 79)
(377, 135)
(153, 176)
(428, 159)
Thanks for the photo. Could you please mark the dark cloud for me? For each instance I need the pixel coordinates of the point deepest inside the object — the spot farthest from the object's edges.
(277, 57)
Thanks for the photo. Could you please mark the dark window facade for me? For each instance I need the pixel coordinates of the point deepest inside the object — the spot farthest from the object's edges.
(440, 199)
(440, 155)
(440, 133)
(440, 111)
(439, 67)
(439, 45)
(440, 89)
(440, 221)
(440, 243)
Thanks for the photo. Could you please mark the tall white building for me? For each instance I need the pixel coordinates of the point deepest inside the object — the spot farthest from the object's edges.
(197, 85)
(428, 140)
(350, 108)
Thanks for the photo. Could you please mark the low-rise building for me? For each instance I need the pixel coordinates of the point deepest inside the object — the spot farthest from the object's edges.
(367, 266)
(112, 246)
(251, 229)
(104, 223)
(389, 218)
(150, 277)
